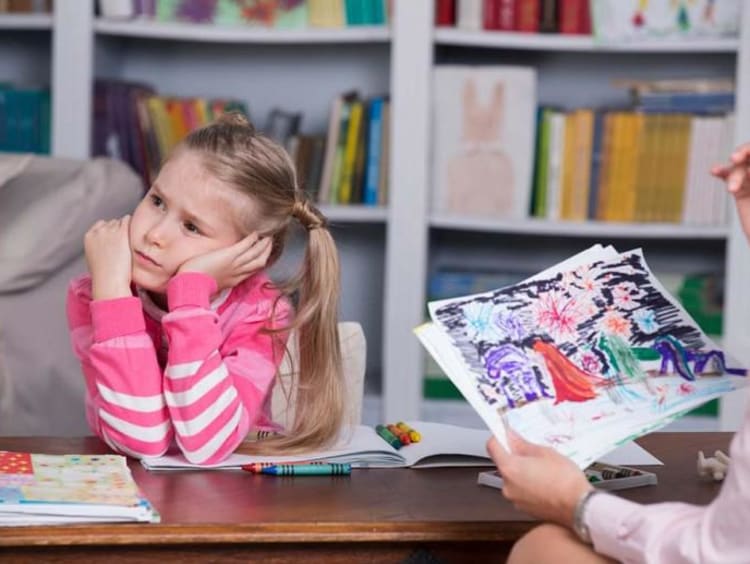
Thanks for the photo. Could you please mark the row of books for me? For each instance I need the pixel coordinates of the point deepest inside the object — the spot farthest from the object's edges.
(134, 124)
(268, 13)
(631, 166)
(24, 119)
(606, 20)
(354, 167)
(346, 165)
(530, 16)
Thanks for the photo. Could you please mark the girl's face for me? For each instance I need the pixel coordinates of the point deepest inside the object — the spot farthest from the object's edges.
(186, 213)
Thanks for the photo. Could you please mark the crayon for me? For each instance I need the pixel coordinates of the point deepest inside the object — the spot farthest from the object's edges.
(387, 436)
(605, 472)
(400, 434)
(308, 470)
(259, 435)
(414, 436)
(257, 467)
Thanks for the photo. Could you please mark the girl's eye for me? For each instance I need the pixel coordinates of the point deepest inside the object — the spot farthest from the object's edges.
(192, 228)
(156, 200)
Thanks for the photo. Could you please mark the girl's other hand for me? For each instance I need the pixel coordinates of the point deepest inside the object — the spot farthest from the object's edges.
(231, 265)
(538, 480)
(109, 258)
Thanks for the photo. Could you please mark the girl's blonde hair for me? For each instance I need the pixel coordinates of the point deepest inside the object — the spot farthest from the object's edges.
(253, 164)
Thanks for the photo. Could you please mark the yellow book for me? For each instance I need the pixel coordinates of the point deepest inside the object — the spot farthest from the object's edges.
(605, 167)
(350, 152)
(631, 140)
(645, 186)
(567, 185)
(201, 111)
(325, 13)
(584, 140)
(160, 121)
(614, 171)
(178, 127)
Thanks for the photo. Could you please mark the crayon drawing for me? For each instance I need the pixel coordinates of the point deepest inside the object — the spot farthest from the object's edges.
(581, 359)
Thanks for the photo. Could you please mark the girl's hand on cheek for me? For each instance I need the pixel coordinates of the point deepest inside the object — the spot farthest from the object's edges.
(538, 480)
(231, 265)
(108, 255)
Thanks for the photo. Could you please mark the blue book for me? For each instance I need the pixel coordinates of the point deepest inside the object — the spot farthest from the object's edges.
(372, 174)
(688, 102)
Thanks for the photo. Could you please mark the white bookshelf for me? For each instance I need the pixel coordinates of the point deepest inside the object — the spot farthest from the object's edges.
(239, 34)
(25, 21)
(355, 214)
(588, 229)
(389, 248)
(559, 42)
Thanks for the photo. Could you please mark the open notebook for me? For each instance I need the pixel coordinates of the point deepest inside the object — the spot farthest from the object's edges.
(441, 445)
(44, 489)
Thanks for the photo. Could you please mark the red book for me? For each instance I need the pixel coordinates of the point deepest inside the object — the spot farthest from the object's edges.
(490, 14)
(573, 15)
(527, 16)
(445, 12)
(506, 15)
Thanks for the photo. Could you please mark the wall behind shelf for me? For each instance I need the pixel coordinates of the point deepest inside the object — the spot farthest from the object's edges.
(529, 254)
(361, 248)
(25, 57)
(593, 72)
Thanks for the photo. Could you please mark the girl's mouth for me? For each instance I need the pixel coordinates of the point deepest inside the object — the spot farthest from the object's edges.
(146, 259)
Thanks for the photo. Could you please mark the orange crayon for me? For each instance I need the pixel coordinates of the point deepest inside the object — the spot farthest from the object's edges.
(403, 437)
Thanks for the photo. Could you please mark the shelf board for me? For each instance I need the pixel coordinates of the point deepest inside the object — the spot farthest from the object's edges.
(355, 213)
(239, 34)
(597, 229)
(560, 42)
(26, 21)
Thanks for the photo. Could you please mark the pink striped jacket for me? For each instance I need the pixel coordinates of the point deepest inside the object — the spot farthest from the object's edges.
(200, 373)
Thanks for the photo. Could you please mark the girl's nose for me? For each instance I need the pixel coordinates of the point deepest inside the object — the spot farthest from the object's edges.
(158, 233)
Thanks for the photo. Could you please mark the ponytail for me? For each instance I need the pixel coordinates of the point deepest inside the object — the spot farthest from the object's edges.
(317, 394)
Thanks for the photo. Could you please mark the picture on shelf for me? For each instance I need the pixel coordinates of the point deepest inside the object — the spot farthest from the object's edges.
(615, 20)
(582, 358)
(484, 140)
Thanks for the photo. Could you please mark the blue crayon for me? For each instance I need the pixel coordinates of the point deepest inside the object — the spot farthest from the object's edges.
(308, 470)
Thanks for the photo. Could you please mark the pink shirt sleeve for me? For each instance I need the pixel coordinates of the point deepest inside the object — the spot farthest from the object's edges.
(216, 385)
(679, 532)
(124, 402)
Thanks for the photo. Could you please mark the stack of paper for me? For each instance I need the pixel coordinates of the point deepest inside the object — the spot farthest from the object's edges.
(42, 489)
(582, 357)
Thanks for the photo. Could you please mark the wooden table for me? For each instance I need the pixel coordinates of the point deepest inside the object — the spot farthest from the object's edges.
(413, 516)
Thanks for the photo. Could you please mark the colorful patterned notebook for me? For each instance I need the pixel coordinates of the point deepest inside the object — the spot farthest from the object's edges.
(44, 489)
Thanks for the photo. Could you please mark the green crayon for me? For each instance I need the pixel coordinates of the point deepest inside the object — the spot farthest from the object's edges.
(387, 436)
(308, 470)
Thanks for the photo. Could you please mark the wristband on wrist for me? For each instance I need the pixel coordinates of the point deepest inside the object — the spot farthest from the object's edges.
(579, 525)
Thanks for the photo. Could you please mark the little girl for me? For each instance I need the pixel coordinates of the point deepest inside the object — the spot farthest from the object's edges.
(178, 329)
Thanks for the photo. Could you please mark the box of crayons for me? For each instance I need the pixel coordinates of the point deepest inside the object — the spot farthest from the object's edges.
(602, 476)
